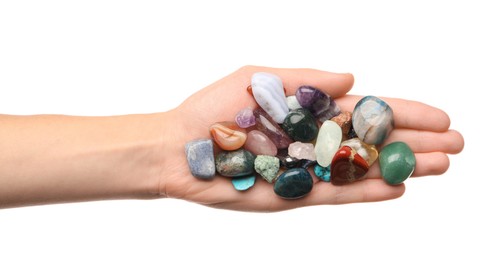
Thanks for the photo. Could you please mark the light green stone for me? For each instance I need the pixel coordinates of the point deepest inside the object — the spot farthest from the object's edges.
(267, 166)
(397, 162)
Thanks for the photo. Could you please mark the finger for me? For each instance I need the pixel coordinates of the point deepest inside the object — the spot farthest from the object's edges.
(424, 141)
(334, 84)
(407, 113)
(435, 163)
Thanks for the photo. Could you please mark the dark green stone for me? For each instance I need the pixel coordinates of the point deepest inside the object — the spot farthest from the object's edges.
(235, 163)
(293, 183)
(397, 162)
(300, 125)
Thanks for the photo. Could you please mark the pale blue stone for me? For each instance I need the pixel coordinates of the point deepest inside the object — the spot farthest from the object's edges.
(373, 120)
(201, 162)
(268, 92)
(244, 182)
(323, 173)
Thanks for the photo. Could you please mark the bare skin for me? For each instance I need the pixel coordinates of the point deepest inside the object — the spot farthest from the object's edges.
(50, 159)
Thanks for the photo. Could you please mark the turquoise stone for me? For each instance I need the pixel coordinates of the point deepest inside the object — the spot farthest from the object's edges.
(201, 162)
(242, 183)
(267, 166)
(300, 125)
(397, 162)
(372, 120)
(293, 183)
(324, 173)
(235, 163)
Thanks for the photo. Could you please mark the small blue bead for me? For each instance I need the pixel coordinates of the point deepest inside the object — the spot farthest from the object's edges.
(244, 182)
(324, 173)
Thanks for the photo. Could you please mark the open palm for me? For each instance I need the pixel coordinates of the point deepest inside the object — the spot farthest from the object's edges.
(430, 139)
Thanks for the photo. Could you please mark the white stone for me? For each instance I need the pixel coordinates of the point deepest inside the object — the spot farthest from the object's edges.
(301, 150)
(268, 91)
(328, 141)
(292, 102)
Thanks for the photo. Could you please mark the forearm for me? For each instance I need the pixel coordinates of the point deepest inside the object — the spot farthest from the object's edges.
(50, 159)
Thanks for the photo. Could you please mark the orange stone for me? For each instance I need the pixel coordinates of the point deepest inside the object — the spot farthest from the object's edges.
(227, 135)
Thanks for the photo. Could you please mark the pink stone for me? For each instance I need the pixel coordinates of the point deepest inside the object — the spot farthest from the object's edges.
(271, 129)
(301, 150)
(259, 144)
(245, 118)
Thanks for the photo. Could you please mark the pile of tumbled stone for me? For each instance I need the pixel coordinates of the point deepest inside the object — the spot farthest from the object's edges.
(286, 136)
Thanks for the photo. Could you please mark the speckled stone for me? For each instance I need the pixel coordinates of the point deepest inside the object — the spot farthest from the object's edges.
(397, 163)
(344, 121)
(373, 120)
(323, 173)
(243, 183)
(201, 162)
(300, 125)
(235, 163)
(293, 183)
(267, 166)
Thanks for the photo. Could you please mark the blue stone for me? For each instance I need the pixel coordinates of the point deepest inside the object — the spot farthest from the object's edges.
(373, 120)
(201, 162)
(293, 183)
(243, 182)
(324, 173)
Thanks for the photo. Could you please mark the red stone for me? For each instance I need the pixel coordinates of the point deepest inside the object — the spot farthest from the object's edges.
(347, 166)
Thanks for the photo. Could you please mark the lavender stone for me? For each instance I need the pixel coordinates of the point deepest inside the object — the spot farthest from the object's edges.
(245, 118)
(199, 154)
(320, 104)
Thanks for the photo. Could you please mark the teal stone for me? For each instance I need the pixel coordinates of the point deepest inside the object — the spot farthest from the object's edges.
(243, 183)
(397, 162)
(324, 173)
(300, 125)
(293, 183)
(235, 163)
(267, 166)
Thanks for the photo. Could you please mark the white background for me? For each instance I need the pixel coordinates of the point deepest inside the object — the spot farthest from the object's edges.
(120, 57)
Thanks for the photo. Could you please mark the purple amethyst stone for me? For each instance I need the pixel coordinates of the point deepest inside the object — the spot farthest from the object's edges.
(320, 104)
(245, 118)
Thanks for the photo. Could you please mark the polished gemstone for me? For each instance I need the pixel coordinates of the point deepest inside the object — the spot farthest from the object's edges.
(328, 142)
(245, 118)
(347, 166)
(323, 173)
(367, 151)
(293, 183)
(242, 183)
(226, 137)
(270, 128)
(397, 162)
(373, 120)
(235, 163)
(201, 162)
(292, 103)
(259, 144)
(344, 121)
(300, 125)
(322, 106)
(267, 166)
(268, 92)
(288, 161)
(301, 150)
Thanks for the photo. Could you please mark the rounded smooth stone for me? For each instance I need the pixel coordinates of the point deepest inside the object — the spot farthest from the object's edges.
(235, 163)
(201, 162)
(271, 129)
(397, 162)
(227, 138)
(372, 120)
(293, 183)
(367, 151)
(347, 166)
(259, 144)
(320, 104)
(243, 183)
(245, 118)
(300, 125)
(267, 166)
(268, 92)
(327, 143)
(323, 173)
(292, 103)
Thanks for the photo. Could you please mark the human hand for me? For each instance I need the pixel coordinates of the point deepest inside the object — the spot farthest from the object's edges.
(430, 139)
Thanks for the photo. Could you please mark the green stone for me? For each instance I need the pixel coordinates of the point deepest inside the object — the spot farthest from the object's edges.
(267, 166)
(235, 163)
(300, 125)
(397, 162)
